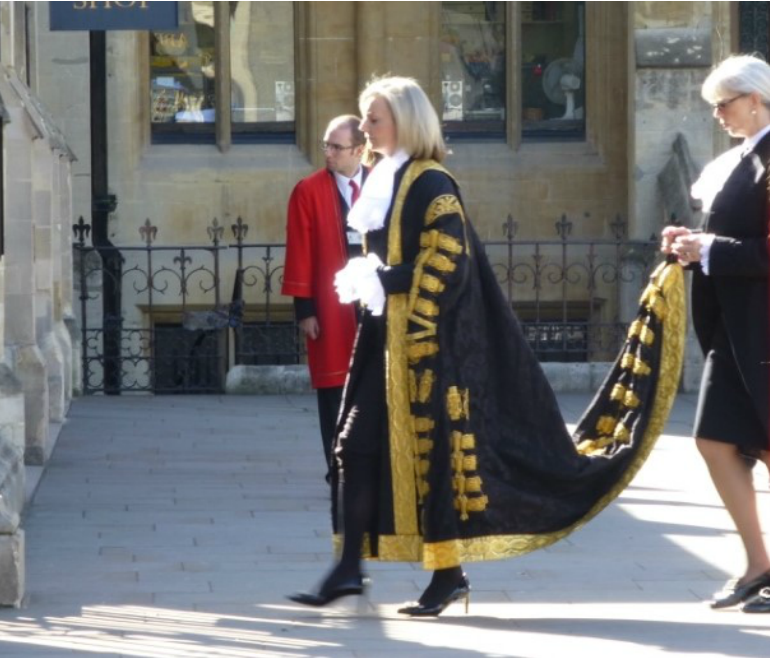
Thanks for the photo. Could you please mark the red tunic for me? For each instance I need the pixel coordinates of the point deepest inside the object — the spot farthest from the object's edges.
(316, 250)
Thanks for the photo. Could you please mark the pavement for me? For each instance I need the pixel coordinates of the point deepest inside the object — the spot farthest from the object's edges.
(172, 527)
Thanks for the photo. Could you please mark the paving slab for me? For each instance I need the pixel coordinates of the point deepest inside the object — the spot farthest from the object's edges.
(174, 526)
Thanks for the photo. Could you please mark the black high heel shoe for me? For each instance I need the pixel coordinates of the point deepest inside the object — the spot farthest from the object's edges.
(735, 592)
(352, 587)
(461, 591)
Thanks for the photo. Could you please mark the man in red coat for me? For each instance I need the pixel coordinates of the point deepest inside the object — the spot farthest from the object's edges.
(318, 245)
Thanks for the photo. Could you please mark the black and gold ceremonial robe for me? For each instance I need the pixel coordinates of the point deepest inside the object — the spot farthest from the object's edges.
(476, 460)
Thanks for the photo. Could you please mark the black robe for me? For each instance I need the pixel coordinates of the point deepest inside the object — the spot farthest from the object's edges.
(476, 461)
(733, 300)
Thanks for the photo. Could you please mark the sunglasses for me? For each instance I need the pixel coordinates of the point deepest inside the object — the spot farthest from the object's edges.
(721, 105)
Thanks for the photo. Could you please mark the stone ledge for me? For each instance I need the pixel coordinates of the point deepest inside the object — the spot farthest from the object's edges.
(286, 380)
(673, 47)
(268, 380)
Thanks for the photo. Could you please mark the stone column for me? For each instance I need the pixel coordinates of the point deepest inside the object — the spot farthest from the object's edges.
(12, 483)
(44, 173)
(400, 38)
(12, 474)
(65, 324)
(24, 355)
(675, 44)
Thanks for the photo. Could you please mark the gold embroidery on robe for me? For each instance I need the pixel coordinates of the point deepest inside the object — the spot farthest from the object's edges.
(641, 331)
(458, 405)
(621, 433)
(425, 386)
(446, 204)
(438, 240)
(606, 425)
(635, 365)
(417, 351)
(423, 425)
(424, 446)
(429, 328)
(412, 386)
(441, 263)
(410, 547)
(401, 431)
(653, 300)
(432, 284)
(426, 307)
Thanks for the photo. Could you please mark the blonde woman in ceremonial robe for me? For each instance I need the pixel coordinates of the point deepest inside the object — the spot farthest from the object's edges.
(450, 447)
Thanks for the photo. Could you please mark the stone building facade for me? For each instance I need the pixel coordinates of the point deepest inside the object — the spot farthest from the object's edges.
(36, 321)
(570, 109)
(279, 71)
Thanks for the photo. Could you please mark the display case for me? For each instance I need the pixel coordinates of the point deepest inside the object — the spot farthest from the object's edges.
(473, 66)
(182, 71)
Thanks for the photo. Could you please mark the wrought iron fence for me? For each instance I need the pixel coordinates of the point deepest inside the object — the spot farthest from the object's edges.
(189, 312)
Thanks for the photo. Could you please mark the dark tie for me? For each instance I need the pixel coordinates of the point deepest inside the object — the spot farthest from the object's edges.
(355, 192)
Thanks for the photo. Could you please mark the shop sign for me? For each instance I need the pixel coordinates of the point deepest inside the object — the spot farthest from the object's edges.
(154, 15)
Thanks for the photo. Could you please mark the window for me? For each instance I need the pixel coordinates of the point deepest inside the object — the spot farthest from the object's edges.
(227, 74)
(473, 77)
(477, 87)
(552, 69)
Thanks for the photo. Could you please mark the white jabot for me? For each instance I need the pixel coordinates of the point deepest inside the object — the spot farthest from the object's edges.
(714, 175)
(376, 195)
(713, 179)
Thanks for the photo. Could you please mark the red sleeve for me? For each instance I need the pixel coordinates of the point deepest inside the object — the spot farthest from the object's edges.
(298, 269)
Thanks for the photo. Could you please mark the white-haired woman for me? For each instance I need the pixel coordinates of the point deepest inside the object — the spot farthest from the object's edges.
(730, 262)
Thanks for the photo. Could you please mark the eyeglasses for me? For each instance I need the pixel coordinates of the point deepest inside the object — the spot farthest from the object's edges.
(335, 148)
(721, 105)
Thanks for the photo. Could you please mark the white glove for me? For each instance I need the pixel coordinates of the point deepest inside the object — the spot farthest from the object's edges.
(359, 281)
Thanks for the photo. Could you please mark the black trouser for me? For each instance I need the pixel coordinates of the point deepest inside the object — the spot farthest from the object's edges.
(329, 400)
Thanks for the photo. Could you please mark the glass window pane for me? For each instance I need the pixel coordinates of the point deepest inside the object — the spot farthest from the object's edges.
(473, 66)
(262, 62)
(553, 69)
(182, 68)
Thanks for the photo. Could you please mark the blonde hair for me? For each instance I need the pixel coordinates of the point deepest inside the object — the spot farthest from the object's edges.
(739, 74)
(418, 129)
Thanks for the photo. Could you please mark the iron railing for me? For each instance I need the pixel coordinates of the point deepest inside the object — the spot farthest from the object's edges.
(190, 312)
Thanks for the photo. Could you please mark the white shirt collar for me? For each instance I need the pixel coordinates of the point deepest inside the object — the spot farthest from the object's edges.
(750, 143)
(344, 180)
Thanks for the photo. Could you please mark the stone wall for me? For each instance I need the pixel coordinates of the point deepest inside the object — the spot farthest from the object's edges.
(675, 45)
(181, 188)
(36, 368)
(645, 62)
(11, 474)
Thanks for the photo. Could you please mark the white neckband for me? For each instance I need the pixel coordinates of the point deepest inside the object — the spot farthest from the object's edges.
(369, 212)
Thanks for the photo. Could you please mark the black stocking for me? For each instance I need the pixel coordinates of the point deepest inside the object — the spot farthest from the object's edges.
(358, 482)
(443, 583)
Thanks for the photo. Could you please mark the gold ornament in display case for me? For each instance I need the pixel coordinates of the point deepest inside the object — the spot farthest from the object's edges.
(170, 43)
